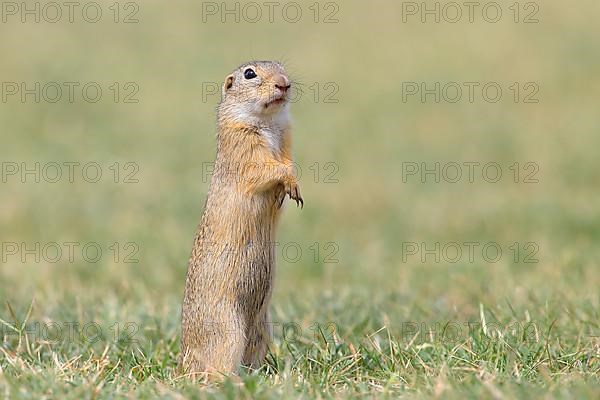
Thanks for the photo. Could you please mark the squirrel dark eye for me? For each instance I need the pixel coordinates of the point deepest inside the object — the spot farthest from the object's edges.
(249, 74)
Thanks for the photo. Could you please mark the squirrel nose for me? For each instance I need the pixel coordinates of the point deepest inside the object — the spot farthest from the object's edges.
(282, 82)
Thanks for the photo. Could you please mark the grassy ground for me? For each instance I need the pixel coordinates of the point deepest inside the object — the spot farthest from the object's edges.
(365, 303)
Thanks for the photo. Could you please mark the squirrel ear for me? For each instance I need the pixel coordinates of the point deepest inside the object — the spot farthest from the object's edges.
(228, 83)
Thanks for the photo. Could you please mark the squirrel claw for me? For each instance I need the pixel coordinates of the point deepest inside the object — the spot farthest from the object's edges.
(298, 198)
(293, 191)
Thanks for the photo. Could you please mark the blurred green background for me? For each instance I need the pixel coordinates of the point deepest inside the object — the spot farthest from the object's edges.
(368, 132)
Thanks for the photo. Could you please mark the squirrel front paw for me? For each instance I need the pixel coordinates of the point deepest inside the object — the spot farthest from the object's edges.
(293, 190)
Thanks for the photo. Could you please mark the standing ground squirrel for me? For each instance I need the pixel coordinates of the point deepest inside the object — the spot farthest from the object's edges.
(230, 274)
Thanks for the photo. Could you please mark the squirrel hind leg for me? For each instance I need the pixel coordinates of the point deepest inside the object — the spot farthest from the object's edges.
(259, 337)
(218, 352)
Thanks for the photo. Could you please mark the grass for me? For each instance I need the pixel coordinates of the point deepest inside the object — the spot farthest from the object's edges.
(354, 314)
(501, 352)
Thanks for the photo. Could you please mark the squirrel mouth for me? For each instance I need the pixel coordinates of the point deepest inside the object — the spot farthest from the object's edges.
(275, 101)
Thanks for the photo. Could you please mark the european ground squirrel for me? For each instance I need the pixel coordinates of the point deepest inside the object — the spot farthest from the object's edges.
(225, 318)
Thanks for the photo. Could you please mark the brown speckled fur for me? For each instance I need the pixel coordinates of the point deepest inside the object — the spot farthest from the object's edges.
(225, 319)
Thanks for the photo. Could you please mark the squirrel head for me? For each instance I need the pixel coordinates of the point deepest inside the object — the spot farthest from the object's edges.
(256, 93)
